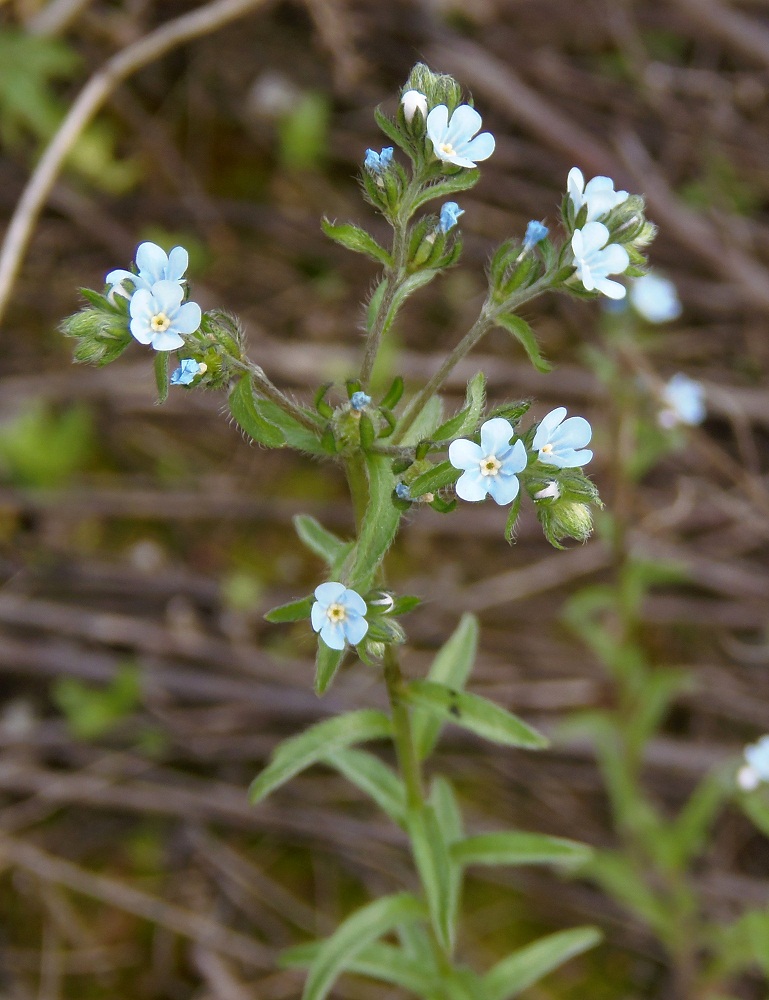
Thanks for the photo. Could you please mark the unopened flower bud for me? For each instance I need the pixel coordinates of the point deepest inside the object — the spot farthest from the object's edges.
(412, 102)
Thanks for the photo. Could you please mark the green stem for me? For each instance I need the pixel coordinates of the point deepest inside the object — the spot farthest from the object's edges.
(402, 732)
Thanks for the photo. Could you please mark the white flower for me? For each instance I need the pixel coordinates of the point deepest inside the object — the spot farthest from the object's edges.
(684, 402)
(491, 467)
(413, 101)
(595, 261)
(598, 194)
(453, 140)
(655, 299)
(756, 769)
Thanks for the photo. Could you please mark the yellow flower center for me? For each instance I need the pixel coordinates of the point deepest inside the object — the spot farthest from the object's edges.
(448, 149)
(160, 322)
(547, 448)
(336, 613)
(490, 465)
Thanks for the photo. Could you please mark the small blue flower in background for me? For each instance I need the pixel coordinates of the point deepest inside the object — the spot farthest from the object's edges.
(359, 400)
(154, 265)
(491, 467)
(377, 163)
(450, 213)
(159, 318)
(595, 261)
(756, 769)
(186, 372)
(413, 101)
(453, 140)
(338, 614)
(684, 402)
(655, 299)
(598, 194)
(535, 233)
(403, 492)
(562, 442)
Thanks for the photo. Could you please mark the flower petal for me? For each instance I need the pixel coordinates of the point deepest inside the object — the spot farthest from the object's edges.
(572, 433)
(595, 235)
(120, 275)
(464, 123)
(504, 489)
(188, 318)
(546, 427)
(575, 185)
(318, 616)
(140, 330)
(437, 123)
(615, 259)
(152, 260)
(613, 289)
(355, 629)
(354, 602)
(472, 486)
(329, 593)
(481, 147)
(464, 454)
(142, 305)
(332, 634)
(178, 262)
(495, 436)
(168, 295)
(518, 458)
(167, 340)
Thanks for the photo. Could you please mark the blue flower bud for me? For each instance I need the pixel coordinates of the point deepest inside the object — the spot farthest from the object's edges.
(359, 400)
(450, 213)
(535, 232)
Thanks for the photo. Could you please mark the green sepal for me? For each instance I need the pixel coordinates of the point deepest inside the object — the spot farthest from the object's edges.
(443, 506)
(319, 402)
(356, 239)
(102, 303)
(327, 662)
(321, 541)
(299, 752)
(404, 604)
(511, 411)
(390, 422)
(393, 395)
(328, 441)
(526, 966)
(294, 611)
(391, 130)
(162, 359)
(352, 385)
(524, 334)
(512, 519)
(357, 931)
(367, 432)
(243, 409)
(374, 303)
(434, 479)
(471, 711)
(466, 421)
(448, 186)
(514, 847)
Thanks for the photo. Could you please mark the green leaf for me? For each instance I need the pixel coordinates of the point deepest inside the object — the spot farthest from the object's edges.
(243, 408)
(383, 962)
(327, 662)
(471, 711)
(519, 848)
(433, 862)
(379, 526)
(466, 421)
(451, 666)
(424, 425)
(526, 966)
(434, 479)
(376, 779)
(449, 817)
(296, 435)
(356, 239)
(353, 935)
(161, 374)
(320, 540)
(294, 611)
(450, 185)
(620, 880)
(522, 332)
(689, 831)
(300, 752)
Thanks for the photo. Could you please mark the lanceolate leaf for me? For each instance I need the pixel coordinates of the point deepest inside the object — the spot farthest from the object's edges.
(294, 611)
(451, 666)
(380, 524)
(472, 712)
(373, 777)
(434, 479)
(296, 435)
(449, 818)
(434, 865)
(243, 408)
(379, 961)
(528, 965)
(299, 752)
(459, 182)
(522, 332)
(518, 848)
(353, 935)
(357, 239)
(320, 540)
(466, 421)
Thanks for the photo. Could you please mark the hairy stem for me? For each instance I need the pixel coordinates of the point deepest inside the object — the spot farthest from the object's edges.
(402, 733)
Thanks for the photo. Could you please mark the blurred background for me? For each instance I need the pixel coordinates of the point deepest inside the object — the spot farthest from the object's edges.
(140, 545)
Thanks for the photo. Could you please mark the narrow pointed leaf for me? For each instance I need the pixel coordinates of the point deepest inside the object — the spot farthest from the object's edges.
(376, 779)
(471, 711)
(352, 936)
(433, 863)
(523, 968)
(243, 409)
(380, 961)
(327, 662)
(296, 435)
(451, 666)
(434, 479)
(519, 848)
(299, 752)
(380, 524)
(320, 540)
(424, 425)
(524, 334)
(466, 421)
(459, 182)
(449, 818)
(294, 611)
(356, 239)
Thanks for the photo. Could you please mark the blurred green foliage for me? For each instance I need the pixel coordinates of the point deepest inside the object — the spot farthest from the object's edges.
(92, 711)
(303, 133)
(43, 449)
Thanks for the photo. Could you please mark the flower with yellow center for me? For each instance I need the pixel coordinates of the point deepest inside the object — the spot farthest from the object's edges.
(338, 614)
(159, 317)
(490, 468)
(454, 139)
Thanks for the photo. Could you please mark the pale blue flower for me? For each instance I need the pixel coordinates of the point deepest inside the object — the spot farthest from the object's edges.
(535, 233)
(595, 261)
(756, 769)
(598, 194)
(403, 492)
(359, 400)
(450, 213)
(377, 163)
(186, 372)
(453, 140)
(684, 402)
(562, 442)
(655, 298)
(159, 318)
(338, 614)
(154, 265)
(490, 467)
(413, 101)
